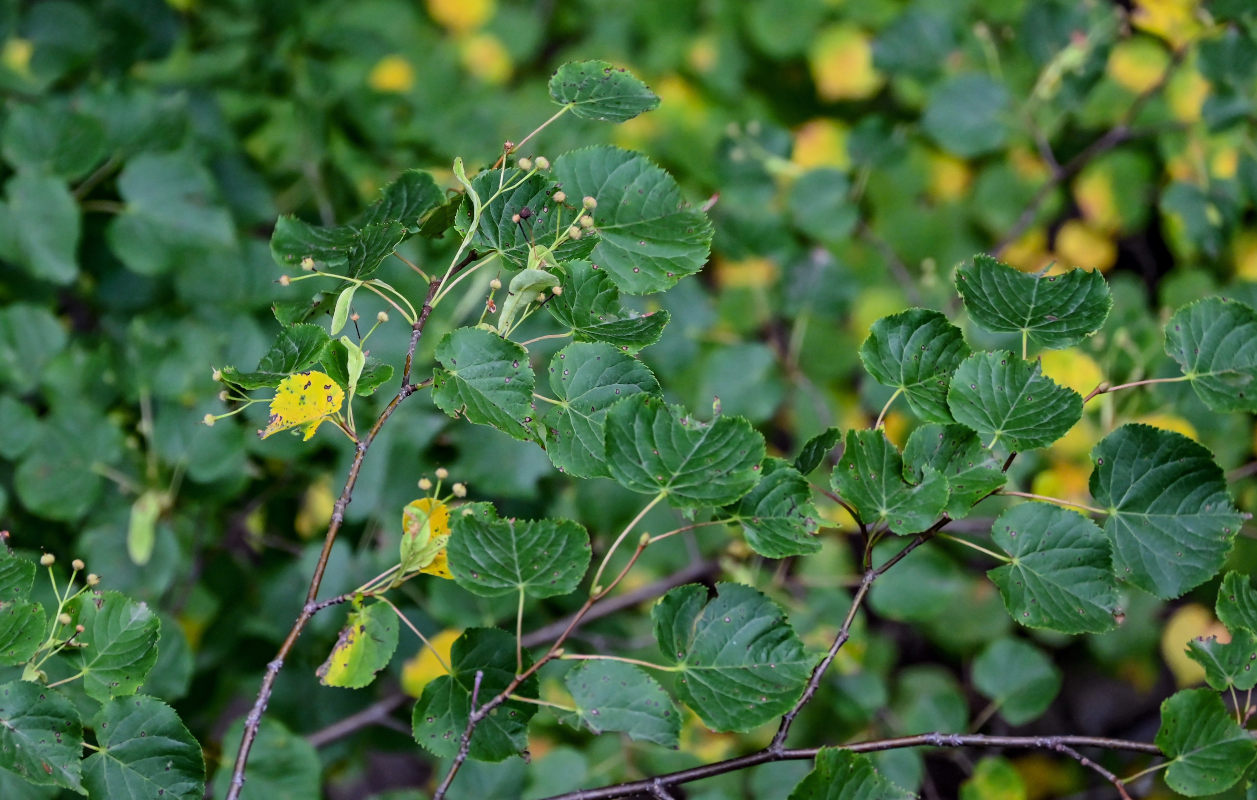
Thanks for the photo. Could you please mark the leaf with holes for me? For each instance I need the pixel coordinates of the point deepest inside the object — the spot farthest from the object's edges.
(777, 516)
(817, 449)
(739, 662)
(1209, 751)
(440, 716)
(23, 627)
(1227, 665)
(653, 448)
(648, 237)
(601, 91)
(41, 736)
(1018, 677)
(916, 352)
(1215, 342)
(1170, 517)
(1049, 311)
(486, 379)
(614, 696)
(1061, 577)
(1011, 402)
(541, 558)
(17, 576)
(971, 470)
(144, 751)
(303, 400)
(587, 379)
(119, 641)
(590, 307)
(363, 648)
(839, 774)
(870, 476)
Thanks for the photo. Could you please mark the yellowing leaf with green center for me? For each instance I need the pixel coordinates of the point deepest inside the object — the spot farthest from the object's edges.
(425, 533)
(304, 399)
(364, 647)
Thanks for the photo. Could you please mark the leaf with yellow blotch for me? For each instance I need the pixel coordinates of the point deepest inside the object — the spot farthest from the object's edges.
(305, 399)
(364, 647)
(425, 532)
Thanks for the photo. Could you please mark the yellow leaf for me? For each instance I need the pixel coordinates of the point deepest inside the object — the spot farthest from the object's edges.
(1138, 63)
(750, 273)
(821, 143)
(1169, 422)
(429, 663)
(1186, 92)
(841, 61)
(950, 177)
(461, 16)
(1072, 368)
(392, 73)
(1080, 245)
(425, 533)
(1244, 253)
(484, 56)
(316, 508)
(1185, 624)
(306, 399)
(1028, 252)
(16, 55)
(1173, 20)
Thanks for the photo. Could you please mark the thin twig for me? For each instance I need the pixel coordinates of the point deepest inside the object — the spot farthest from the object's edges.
(374, 714)
(1091, 765)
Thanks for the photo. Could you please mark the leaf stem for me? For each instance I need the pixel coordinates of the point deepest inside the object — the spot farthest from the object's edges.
(622, 659)
(596, 587)
(519, 633)
(547, 336)
(885, 408)
(1054, 500)
(974, 546)
(1105, 388)
(502, 158)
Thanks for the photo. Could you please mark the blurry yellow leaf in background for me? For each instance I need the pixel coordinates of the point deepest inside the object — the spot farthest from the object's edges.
(392, 73)
(461, 16)
(429, 663)
(841, 59)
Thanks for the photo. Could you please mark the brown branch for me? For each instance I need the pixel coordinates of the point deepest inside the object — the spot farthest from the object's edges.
(375, 714)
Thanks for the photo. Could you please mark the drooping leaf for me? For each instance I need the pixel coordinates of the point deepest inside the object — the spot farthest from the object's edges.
(408, 199)
(282, 765)
(345, 250)
(541, 558)
(296, 348)
(1061, 577)
(1209, 750)
(590, 307)
(587, 379)
(1011, 402)
(305, 399)
(335, 362)
(601, 91)
(1018, 676)
(916, 351)
(41, 736)
(1049, 311)
(1236, 607)
(956, 451)
(363, 648)
(840, 774)
(870, 476)
(1227, 665)
(614, 696)
(23, 627)
(530, 198)
(142, 525)
(740, 663)
(652, 448)
(425, 537)
(486, 379)
(119, 644)
(816, 449)
(1171, 520)
(1215, 342)
(440, 715)
(648, 238)
(144, 752)
(777, 516)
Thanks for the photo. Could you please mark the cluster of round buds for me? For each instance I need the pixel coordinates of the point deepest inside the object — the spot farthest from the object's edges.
(574, 232)
(543, 162)
(525, 164)
(589, 203)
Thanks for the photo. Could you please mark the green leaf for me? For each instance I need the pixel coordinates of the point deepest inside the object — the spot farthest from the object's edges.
(541, 558)
(522, 291)
(614, 696)
(965, 114)
(587, 379)
(296, 348)
(652, 448)
(1061, 577)
(840, 774)
(41, 736)
(44, 220)
(648, 238)
(777, 516)
(142, 525)
(345, 250)
(59, 477)
(1170, 518)
(363, 648)
(22, 630)
(407, 200)
(929, 699)
(21, 426)
(282, 765)
(486, 379)
(119, 644)
(144, 752)
(870, 477)
(1049, 311)
(171, 214)
(817, 449)
(1018, 677)
(440, 716)
(821, 206)
(57, 140)
(994, 778)
(916, 352)
(1209, 750)
(972, 471)
(340, 312)
(1010, 402)
(17, 576)
(1215, 342)
(540, 217)
(590, 307)
(740, 663)
(1236, 608)
(598, 90)
(29, 337)
(335, 361)
(1227, 665)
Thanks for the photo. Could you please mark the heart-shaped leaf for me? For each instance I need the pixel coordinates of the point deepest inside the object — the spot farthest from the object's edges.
(777, 516)
(120, 644)
(614, 696)
(540, 558)
(601, 91)
(916, 352)
(971, 470)
(1010, 402)
(840, 774)
(486, 379)
(1215, 342)
(143, 751)
(296, 348)
(590, 307)
(870, 477)
(363, 648)
(1237, 602)
(1227, 665)
(41, 736)
(1019, 677)
(1209, 751)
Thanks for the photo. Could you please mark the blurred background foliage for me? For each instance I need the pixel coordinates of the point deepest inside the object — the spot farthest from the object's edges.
(853, 154)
